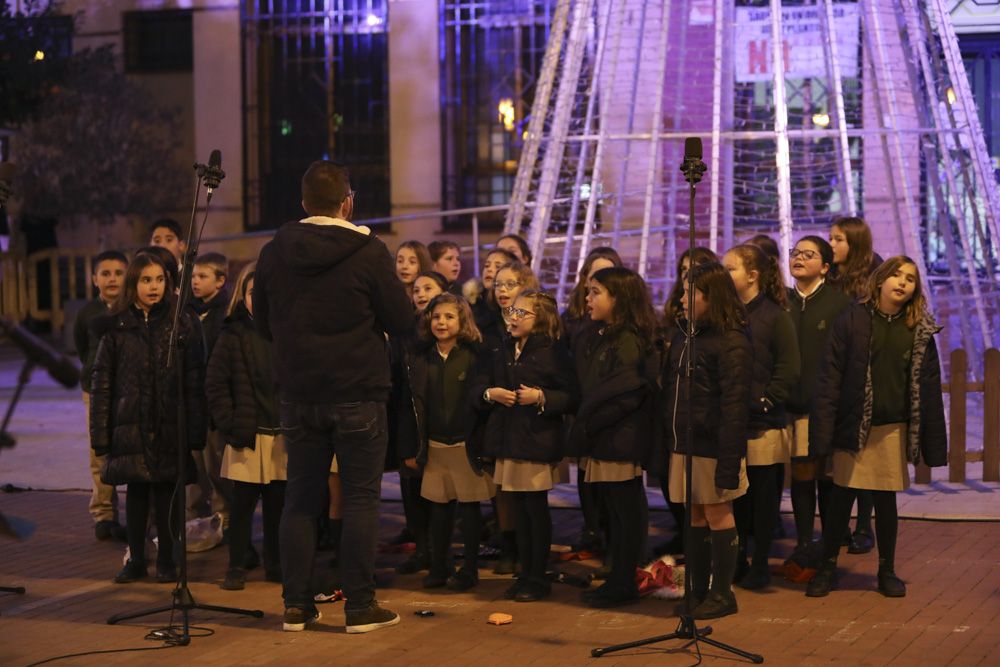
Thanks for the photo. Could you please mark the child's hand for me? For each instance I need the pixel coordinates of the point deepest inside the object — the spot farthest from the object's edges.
(528, 395)
(504, 397)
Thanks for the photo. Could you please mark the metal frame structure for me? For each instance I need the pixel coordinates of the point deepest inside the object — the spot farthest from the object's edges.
(933, 178)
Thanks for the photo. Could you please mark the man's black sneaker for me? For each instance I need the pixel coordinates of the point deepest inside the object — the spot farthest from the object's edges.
(296, 619)
(372, 618)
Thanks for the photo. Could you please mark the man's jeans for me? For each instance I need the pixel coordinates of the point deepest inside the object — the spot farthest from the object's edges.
(358, 434)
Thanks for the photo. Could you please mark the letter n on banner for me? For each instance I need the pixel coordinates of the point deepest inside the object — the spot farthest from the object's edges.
(758, 56)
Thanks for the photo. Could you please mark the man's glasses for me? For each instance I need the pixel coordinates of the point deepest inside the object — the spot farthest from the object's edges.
(807, 255)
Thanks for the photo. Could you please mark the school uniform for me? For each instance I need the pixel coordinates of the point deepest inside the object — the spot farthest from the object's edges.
(242, 398)
(775, 369)
(879, 373)
(527, 441)
(718, 413)
(878, 406)
(612, 432)
(452, 474)
(813, 315)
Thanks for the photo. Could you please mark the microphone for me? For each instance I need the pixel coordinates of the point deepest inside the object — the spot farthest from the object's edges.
(692, 166)
(6, 178)
(692, 148)
(59, 366)
(213, 172)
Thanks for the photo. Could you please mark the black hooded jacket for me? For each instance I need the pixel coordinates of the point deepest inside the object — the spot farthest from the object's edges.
(524, 432)
(242, 397)
(327, 295)
(841, 415)
(718, 407)
(133, 403)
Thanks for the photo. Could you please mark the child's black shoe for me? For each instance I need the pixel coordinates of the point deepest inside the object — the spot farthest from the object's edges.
(235, 580)
(462, 580)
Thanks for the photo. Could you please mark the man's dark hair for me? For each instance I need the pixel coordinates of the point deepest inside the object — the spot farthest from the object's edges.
(109, 256)
(216, 260)
(325, 186)
(167, 223)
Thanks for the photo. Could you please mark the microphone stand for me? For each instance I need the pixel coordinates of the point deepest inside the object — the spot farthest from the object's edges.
(182, 600)
(687, 628)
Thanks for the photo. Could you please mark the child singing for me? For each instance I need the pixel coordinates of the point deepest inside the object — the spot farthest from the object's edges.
(878, 406)
(441, 368)
(528, 386)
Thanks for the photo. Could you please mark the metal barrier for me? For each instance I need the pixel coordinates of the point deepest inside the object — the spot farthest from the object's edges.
(69, 271)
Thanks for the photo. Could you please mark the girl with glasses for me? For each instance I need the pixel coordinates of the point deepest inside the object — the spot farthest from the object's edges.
(528, 386)
(814, 305)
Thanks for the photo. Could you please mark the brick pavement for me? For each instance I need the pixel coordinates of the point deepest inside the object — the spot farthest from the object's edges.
(949, 617)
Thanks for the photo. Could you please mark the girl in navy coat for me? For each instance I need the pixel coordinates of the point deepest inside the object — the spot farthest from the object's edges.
(528, 386)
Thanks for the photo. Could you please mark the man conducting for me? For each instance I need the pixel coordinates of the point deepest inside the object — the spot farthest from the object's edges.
(326, 293)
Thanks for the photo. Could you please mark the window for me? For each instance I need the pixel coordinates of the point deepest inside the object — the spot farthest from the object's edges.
(491, 56)
(315, 87)
(158, 41)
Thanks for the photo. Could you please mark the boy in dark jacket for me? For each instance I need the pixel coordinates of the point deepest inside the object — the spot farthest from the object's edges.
(209, 301)
(108, 278)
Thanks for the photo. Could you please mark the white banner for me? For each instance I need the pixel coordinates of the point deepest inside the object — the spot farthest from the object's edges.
(801, 38)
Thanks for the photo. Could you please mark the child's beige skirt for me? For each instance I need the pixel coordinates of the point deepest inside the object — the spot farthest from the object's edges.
(449, 476)
(598, 470)
(263, 464)
(799, 427)
(703, 489)
(773, 446)
(881, 463)
(514, 475)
